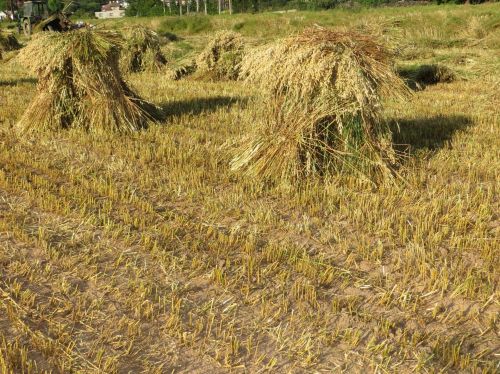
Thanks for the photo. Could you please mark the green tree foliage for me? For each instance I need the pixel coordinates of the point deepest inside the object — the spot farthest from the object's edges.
(85, 8)
(55, 5)
(145, 8)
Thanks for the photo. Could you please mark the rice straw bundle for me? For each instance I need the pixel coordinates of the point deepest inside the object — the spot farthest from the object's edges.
(8, 42)
(221, 58)
(142, 51)
(183, 70)
(79, 84)
(429, 74)
(321, 104)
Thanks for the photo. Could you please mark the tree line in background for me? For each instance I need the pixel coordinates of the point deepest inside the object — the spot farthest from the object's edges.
(157, 7)
(86, 8)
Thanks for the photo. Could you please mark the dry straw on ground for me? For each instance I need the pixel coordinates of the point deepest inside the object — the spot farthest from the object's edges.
(142, 51)
(320, 106)
(80, 84)
(221, 58)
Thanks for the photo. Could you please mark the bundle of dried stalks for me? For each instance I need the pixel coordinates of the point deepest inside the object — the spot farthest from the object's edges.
(432, 74)
(142, 51)
(8, 42)
(221, 58)
(181, 71)
(80, 84)
(321, 102)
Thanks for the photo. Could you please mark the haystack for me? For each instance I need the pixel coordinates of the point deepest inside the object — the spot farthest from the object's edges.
(432, 74)
(79, 84)
(221, 58)
(8, 42)
(142, 51)
(183, 70)
(320, 107)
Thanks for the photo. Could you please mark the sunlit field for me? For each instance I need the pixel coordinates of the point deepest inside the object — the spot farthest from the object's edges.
(145, 253)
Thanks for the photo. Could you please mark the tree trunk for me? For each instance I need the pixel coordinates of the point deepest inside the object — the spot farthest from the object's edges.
(205, 5)
(219, 5)
(230, 6)
(197, 6)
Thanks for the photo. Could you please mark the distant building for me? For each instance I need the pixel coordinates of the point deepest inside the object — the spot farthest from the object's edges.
(6, 15)
(113, 9)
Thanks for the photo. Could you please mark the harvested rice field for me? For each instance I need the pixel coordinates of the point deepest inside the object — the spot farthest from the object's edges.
(175, 238)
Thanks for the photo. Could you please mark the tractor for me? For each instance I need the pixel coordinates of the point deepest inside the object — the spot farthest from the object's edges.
(36, 16)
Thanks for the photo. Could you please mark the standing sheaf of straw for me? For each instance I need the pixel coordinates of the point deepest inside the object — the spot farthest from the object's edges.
(221, 57)
(8, 42)
(80, 85)
(142, 51)
(320, 105)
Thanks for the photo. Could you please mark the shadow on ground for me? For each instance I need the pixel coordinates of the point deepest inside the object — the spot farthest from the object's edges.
(15, 82)
(433, 133)
(198, 105)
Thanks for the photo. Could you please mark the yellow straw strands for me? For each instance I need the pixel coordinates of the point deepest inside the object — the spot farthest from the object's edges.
(320, 105)
(8, 42)
(142, 51)
(80, 85)
(221, 58)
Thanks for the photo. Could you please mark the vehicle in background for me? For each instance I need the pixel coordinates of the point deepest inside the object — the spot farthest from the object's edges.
(36, 16)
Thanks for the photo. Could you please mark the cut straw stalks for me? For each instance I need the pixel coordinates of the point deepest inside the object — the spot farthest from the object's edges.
(142, 51)
(80, 85)
(320, 107)
(221, 58)
(183, 70)
(422, 75)
(8, 42)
